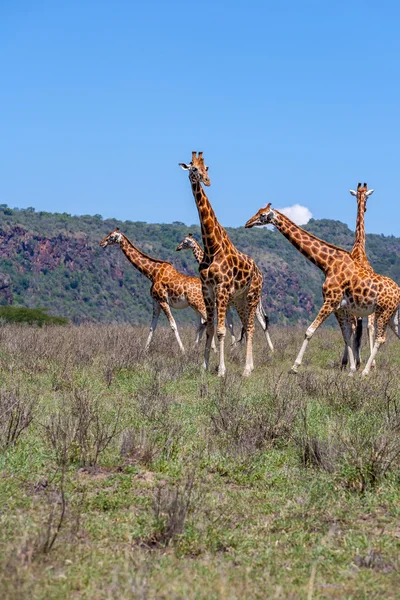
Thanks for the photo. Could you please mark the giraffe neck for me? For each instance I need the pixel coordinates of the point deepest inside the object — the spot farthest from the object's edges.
(198, 251)
(211, 231)
(321, 253)
(358, 251)
(145, 264)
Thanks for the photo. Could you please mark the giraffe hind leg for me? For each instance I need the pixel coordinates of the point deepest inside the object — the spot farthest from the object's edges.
(165, 307)
(154, 321)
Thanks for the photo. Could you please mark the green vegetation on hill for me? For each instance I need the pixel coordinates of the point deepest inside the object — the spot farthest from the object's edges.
(55, 261)
(32, 316)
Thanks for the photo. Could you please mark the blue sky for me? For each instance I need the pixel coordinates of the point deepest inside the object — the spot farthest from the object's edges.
(291, 102)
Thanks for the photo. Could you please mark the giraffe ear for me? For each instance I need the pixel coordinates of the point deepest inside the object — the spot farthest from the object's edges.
(369, 193)
(353, 193)
(184, 166)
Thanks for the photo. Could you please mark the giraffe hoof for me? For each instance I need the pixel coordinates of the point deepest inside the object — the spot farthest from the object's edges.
(351, 373)
(221, 372)
(293, 370)
(247, 372)
(364, 373)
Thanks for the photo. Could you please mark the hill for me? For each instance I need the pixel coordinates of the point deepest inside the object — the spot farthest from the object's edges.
(54, 261)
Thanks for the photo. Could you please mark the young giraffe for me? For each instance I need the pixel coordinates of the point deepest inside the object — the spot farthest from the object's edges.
(169, 289)
(227, 275)
(190, 242)
(350, 288)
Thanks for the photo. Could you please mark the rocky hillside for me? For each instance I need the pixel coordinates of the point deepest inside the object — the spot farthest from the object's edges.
(54, 261)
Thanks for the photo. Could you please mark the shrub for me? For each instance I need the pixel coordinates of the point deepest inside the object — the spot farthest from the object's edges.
(32, 316)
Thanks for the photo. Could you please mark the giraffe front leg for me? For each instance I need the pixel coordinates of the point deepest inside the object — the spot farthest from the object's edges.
(324, 312)
(222, 304)
(346, 325)
(249, 367)
(371, 336)
(381, 322)
(209, 300)
(165, 306)
(154, 321)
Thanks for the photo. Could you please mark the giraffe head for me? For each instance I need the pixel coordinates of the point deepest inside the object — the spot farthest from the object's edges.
(362, 193)
(197, 169)
(187, 242)
(262, 217)
(112, 238)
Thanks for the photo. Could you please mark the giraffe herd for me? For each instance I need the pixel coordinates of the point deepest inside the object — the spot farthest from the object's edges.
(231, 279)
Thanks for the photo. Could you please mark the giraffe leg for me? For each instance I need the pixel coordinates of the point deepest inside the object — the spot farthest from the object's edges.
(357, 337)
(156, 314)
(209, 300)
(165, 306)
(249, 338)
(395, 322)
(323, 314)
(229, 322)
(382, 320)
(200, 330)
(263, 319)
(371, 335)
(222, 304)
(356, 334)
(346, 323)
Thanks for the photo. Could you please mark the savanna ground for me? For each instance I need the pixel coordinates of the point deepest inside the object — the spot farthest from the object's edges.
(125, 475)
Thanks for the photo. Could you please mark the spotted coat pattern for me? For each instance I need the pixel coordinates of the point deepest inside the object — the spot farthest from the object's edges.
(169, 289)
(227, 275)
(349, 285)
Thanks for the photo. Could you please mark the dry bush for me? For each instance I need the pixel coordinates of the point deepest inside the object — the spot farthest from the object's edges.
(245, 424)
(368, 454)
(172, 506)
(81, 429)
(158, 432)
(145, 445)
(16, 414)
(360, 448)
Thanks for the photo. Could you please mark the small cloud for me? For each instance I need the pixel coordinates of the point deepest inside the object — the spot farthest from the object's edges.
(297, 213)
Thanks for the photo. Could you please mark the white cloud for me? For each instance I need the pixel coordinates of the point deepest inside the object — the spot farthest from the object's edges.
(297, 213)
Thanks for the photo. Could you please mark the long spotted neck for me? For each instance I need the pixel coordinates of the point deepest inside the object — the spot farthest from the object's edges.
(197, 250)
(358, 251)
(212, 232)
(322, 254)
(143, 263)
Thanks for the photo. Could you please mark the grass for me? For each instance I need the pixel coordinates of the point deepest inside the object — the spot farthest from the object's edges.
(126, 475)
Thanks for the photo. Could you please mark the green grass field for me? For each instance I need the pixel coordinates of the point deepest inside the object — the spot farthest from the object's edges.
(125, 475)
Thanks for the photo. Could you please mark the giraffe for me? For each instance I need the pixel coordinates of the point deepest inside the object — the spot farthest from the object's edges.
(169, 289)
(190, 242)
(358, 250)
(349, 288)
(227, 275)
